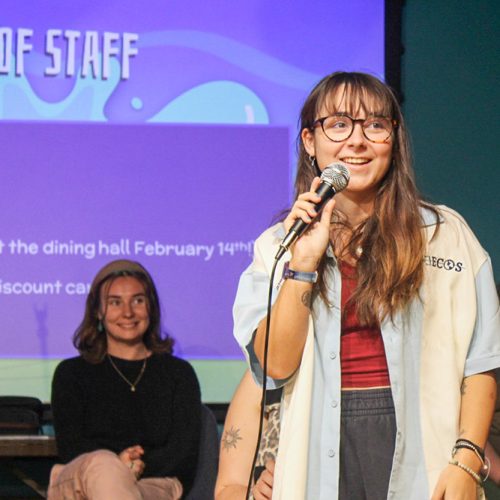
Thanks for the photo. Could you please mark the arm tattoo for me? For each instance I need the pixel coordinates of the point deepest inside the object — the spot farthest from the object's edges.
(230, 438)
(307, 299)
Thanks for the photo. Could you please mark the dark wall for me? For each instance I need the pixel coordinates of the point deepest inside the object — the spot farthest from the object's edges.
(450, 83)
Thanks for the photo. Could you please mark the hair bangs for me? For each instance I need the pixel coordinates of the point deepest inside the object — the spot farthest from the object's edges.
(355, 96)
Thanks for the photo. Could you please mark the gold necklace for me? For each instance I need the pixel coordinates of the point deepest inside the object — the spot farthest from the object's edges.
(137, 380)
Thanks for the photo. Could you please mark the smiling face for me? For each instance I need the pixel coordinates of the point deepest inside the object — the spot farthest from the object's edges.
(124, 312)
(368, 162)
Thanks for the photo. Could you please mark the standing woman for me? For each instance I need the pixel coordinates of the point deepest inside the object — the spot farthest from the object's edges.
(126, 412)
(386, 335)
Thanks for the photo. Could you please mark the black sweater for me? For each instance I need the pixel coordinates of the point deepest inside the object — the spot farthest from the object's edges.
(94, 408)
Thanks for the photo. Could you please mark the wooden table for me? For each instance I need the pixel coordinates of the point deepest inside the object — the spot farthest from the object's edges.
(27, 446)
(13, 447)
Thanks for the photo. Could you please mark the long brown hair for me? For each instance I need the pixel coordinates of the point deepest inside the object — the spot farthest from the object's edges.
(90, 340)
(390, 267)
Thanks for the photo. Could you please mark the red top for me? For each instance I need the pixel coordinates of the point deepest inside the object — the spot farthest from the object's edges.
(362, 354)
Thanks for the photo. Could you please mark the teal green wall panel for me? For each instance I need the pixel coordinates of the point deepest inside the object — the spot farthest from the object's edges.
(450, 80)
(32, 377)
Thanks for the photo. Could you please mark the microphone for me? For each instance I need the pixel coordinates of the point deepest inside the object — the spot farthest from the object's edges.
(334, 178)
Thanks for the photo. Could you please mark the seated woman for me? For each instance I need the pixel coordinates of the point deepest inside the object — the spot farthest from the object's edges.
(239, 439)
(126, 411)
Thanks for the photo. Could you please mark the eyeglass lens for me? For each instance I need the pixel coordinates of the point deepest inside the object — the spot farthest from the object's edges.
(339, 128)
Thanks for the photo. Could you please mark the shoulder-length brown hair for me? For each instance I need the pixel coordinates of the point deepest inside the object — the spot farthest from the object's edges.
(90, 340)
(390, 267)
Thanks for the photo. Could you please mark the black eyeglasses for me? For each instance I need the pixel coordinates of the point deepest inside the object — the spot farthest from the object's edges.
(339, 127)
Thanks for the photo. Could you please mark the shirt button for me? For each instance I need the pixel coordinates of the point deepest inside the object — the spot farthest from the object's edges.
(334, 404)
(333, 354)
(331, 453)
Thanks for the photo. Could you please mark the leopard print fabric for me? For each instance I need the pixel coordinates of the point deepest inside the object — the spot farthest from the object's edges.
(268, 448)
(270, 438)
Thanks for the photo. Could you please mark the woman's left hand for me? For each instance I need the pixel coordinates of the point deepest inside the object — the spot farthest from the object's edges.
(131, 457)
(455, 484)
(137, 467)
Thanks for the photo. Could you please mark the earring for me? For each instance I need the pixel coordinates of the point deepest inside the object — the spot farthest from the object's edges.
(312, 160)
(314, 165)
(100, 326)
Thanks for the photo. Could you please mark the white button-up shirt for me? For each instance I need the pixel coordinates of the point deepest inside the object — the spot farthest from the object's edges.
(426, 364)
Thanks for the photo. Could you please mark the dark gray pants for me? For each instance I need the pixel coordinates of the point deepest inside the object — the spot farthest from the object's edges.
(367, 436)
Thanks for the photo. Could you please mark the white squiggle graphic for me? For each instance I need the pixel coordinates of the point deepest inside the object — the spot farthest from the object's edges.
(250, 113)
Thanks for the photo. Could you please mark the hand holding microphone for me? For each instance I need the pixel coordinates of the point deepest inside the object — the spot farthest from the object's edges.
(334, 178)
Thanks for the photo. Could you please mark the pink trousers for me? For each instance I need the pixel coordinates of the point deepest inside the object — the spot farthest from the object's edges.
(101, 475)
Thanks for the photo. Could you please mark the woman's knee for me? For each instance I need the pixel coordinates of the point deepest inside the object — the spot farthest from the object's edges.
(103, 459)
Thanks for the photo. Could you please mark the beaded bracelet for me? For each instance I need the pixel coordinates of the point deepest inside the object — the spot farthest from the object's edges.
(467, 446)
(467, 469)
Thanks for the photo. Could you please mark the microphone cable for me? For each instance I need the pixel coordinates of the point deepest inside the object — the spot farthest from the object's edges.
(264, 381)
(334, 178)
